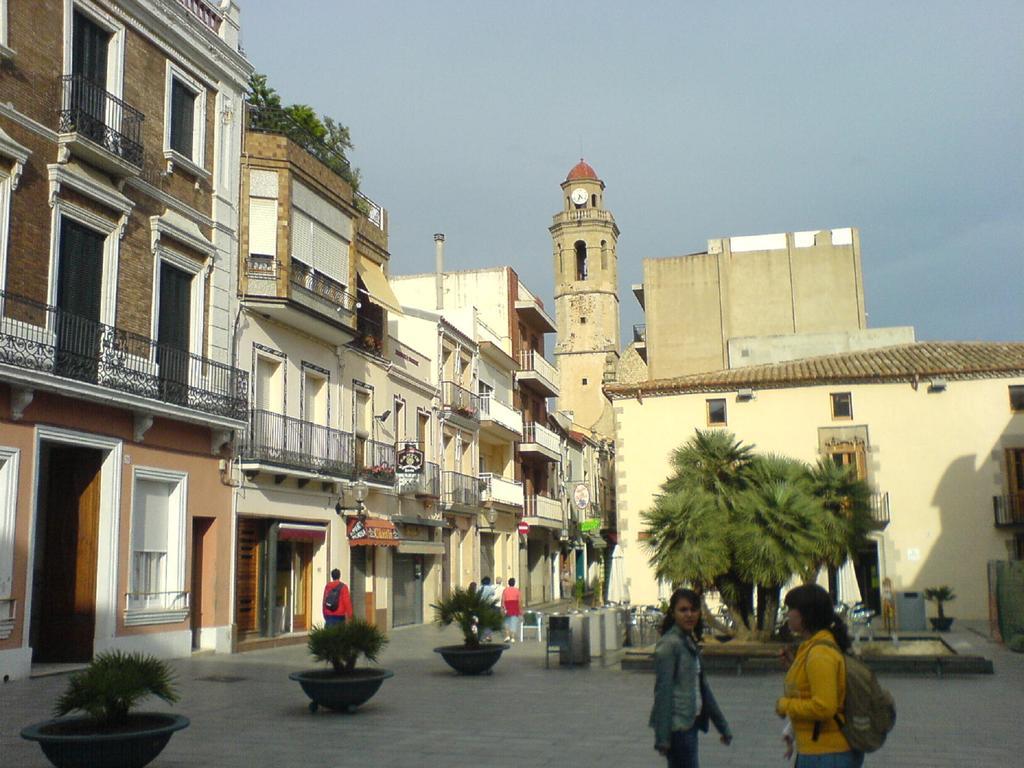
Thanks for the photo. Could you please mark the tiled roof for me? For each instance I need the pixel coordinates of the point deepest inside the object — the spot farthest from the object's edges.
(902, 362)
(581, 170)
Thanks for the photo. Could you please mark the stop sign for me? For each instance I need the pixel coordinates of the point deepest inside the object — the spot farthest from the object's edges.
(524, 527)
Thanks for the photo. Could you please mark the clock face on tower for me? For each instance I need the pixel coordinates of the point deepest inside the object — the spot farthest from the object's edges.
(579, 196)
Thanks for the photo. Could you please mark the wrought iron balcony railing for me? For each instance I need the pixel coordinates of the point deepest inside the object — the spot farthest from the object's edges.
(44, 338)
(305, 278)
(87, 109)
(460, 401)
(1009, 510)
(460, 489)
(205, 12)
(377, 462)
(273, 438)
(426, 483)
(879, 503)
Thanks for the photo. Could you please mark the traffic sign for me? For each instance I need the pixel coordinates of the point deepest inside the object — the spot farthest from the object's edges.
(524, 527)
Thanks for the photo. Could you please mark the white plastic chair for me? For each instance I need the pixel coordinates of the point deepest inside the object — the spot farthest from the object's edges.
(537, 625)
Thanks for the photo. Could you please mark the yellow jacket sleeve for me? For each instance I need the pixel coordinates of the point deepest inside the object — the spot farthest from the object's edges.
(824, 666)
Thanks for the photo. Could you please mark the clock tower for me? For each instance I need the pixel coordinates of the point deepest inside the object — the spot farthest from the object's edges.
(584, 236)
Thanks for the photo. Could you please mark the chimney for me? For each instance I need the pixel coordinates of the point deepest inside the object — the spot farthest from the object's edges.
(439, 270)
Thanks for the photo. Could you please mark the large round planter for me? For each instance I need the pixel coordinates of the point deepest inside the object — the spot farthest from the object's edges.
(345, 692)
(941, 625)
(73, 742)
(472, 661)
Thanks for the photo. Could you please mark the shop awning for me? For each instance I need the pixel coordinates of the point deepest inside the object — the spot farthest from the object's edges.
(372, 533)
(299, 532)
(421, 548)
(377, 285)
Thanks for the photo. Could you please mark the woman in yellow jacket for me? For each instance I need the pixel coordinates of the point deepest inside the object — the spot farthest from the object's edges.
(815, 685)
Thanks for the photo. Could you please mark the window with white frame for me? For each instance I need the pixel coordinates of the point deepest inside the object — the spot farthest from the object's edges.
(184, 121)
(263, 190)
(8, 507)
(157, 577)
(5, 51)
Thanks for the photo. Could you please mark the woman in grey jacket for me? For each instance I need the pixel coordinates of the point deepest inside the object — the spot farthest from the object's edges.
(683, 702)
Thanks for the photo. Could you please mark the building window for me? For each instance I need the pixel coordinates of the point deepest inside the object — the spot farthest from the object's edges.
(842, 405)
(5, 51)
(1017, 397)
(849, 454)
(9, 458)
(157, 579)
(184, 122)
(716, 412)
(583, 320)
(581, 260)
(584, 381)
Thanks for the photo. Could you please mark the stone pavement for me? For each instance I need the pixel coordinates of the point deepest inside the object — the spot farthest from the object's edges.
(523, 715)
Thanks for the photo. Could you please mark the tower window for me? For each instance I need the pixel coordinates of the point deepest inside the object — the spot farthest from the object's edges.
(593, 201)
(583, 320)
(581, 260)
(604, 254)
(584, 382)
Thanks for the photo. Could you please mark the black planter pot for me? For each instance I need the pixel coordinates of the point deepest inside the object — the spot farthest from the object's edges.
(70, 742)
(941, 625)
(472, 661)
(345, 692)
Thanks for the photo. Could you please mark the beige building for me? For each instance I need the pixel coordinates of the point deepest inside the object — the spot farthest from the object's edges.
(786, 284)
(495, 310)
(585, 236)
(335, 397)
(936, 428)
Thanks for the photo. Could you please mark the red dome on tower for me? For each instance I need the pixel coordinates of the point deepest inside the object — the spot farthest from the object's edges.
(581, 170)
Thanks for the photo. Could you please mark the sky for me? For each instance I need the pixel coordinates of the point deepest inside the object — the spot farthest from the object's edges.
(703, 119)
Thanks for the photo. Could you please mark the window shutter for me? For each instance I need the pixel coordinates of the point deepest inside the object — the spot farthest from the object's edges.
(149, 528)
(302, 237)
(183, 107)
(330, 254)
(262, 227)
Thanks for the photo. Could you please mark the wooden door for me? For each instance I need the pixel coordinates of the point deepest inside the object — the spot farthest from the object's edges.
(247, 569)
(302, 564)
(67, 599)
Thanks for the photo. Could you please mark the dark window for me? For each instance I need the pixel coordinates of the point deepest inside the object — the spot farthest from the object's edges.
(183, 110)
(583, 320)
(842, 405)
(173, 325)
(89, 45)
(716, 411)
(584, 382)
(581, 260)
(593, 201)
(1017, 397)
(79, 275)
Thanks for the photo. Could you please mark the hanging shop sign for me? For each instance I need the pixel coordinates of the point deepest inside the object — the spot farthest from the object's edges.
(590, 525)
(581, 497)
(410, 460)
(368, 533)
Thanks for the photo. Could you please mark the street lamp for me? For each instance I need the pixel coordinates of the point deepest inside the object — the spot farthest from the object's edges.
(360, 490)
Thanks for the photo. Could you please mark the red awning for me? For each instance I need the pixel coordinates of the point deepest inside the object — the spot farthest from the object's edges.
(298, 532)
(372, 533)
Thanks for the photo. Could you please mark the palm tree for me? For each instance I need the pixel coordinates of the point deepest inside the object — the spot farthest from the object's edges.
(848, 500)
(713, 460)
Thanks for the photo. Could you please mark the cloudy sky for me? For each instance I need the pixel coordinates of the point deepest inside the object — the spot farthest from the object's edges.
(704, 119)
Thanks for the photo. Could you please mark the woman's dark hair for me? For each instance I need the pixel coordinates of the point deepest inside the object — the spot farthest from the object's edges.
(817, 612)
(670, 618)
(511, 582)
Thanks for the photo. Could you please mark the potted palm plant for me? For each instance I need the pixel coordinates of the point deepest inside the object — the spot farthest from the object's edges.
(343, 686)
(110, 734)
(475, 615)
(940, 596)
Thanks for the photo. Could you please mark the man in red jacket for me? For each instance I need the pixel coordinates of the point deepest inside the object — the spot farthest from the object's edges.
(337, 600)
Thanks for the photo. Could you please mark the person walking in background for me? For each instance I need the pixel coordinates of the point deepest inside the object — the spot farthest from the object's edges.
(499, 590)
(512, 606)
(815, 686)
(487, 594)
(683, 702)
(337, 603)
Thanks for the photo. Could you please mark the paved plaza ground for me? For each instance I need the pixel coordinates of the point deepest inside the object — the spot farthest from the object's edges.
(524, 715)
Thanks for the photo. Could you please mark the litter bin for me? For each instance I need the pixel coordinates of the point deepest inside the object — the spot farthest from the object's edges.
(910, 614)
(595, 620)
(578, 624)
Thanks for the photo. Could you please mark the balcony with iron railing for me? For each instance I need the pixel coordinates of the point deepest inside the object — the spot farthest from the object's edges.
(537, 374)
(500, 490)
(1008, 510)
(61, 348)
(95, 125)
(461, 404)
(544, 508)
(540, 442)
(459, 490)
(205, 11)
(500, 419)
(879, 505)
(425, 484)
(376, 461)
(281, 441)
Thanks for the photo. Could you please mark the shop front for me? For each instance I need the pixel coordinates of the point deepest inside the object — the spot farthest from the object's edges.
(415, 570)
(370, 541)
(274, 573)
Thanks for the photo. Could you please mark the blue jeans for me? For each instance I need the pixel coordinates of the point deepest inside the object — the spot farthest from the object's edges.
(831, 760)
(328, 620)
(682, 752)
